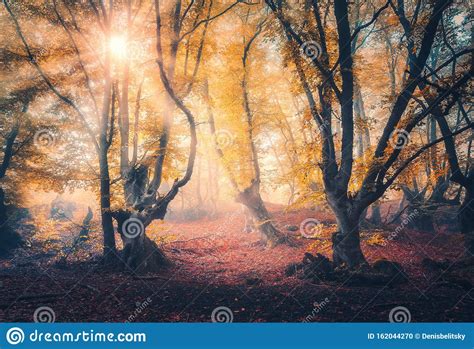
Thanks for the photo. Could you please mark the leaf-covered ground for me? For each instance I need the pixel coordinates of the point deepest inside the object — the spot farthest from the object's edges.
(216, 264)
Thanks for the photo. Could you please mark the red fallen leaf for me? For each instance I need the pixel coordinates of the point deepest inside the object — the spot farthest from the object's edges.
(224, 261)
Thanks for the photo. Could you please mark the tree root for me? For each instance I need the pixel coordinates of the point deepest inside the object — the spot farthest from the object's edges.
(320, 269)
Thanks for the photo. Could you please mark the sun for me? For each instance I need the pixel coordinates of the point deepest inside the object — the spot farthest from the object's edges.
(118, 46)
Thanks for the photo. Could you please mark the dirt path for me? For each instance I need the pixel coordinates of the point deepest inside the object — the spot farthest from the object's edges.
(217, 265)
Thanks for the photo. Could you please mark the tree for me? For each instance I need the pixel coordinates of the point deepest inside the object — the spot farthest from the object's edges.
(24, 146)
(334, 90)
(242, 167)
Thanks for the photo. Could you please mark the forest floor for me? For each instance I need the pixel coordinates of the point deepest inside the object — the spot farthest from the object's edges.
(216, 264)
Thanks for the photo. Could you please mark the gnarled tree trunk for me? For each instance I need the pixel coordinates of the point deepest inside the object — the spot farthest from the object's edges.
(251, 198)
(420, 208)
(346, 242)
(139, 253)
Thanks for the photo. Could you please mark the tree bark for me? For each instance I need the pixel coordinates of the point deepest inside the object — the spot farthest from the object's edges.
(419, 207)
(9, 239)
(346, 242)
(139, 253)
(376, 217)
(251, 198)
(465, 217)
(106, 216)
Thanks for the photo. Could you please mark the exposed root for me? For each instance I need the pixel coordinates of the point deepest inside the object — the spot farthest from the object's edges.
(320, 269)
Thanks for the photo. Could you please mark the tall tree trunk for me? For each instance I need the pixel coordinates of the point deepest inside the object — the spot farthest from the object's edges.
(3, 209)
(198, 184)
(364, 143)
(9, 239)
(139, 253)
(346, 242)
(252, 199)
(107, 223)
(376, 217)
(419, 207)
(250, 196)
(466, 220)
